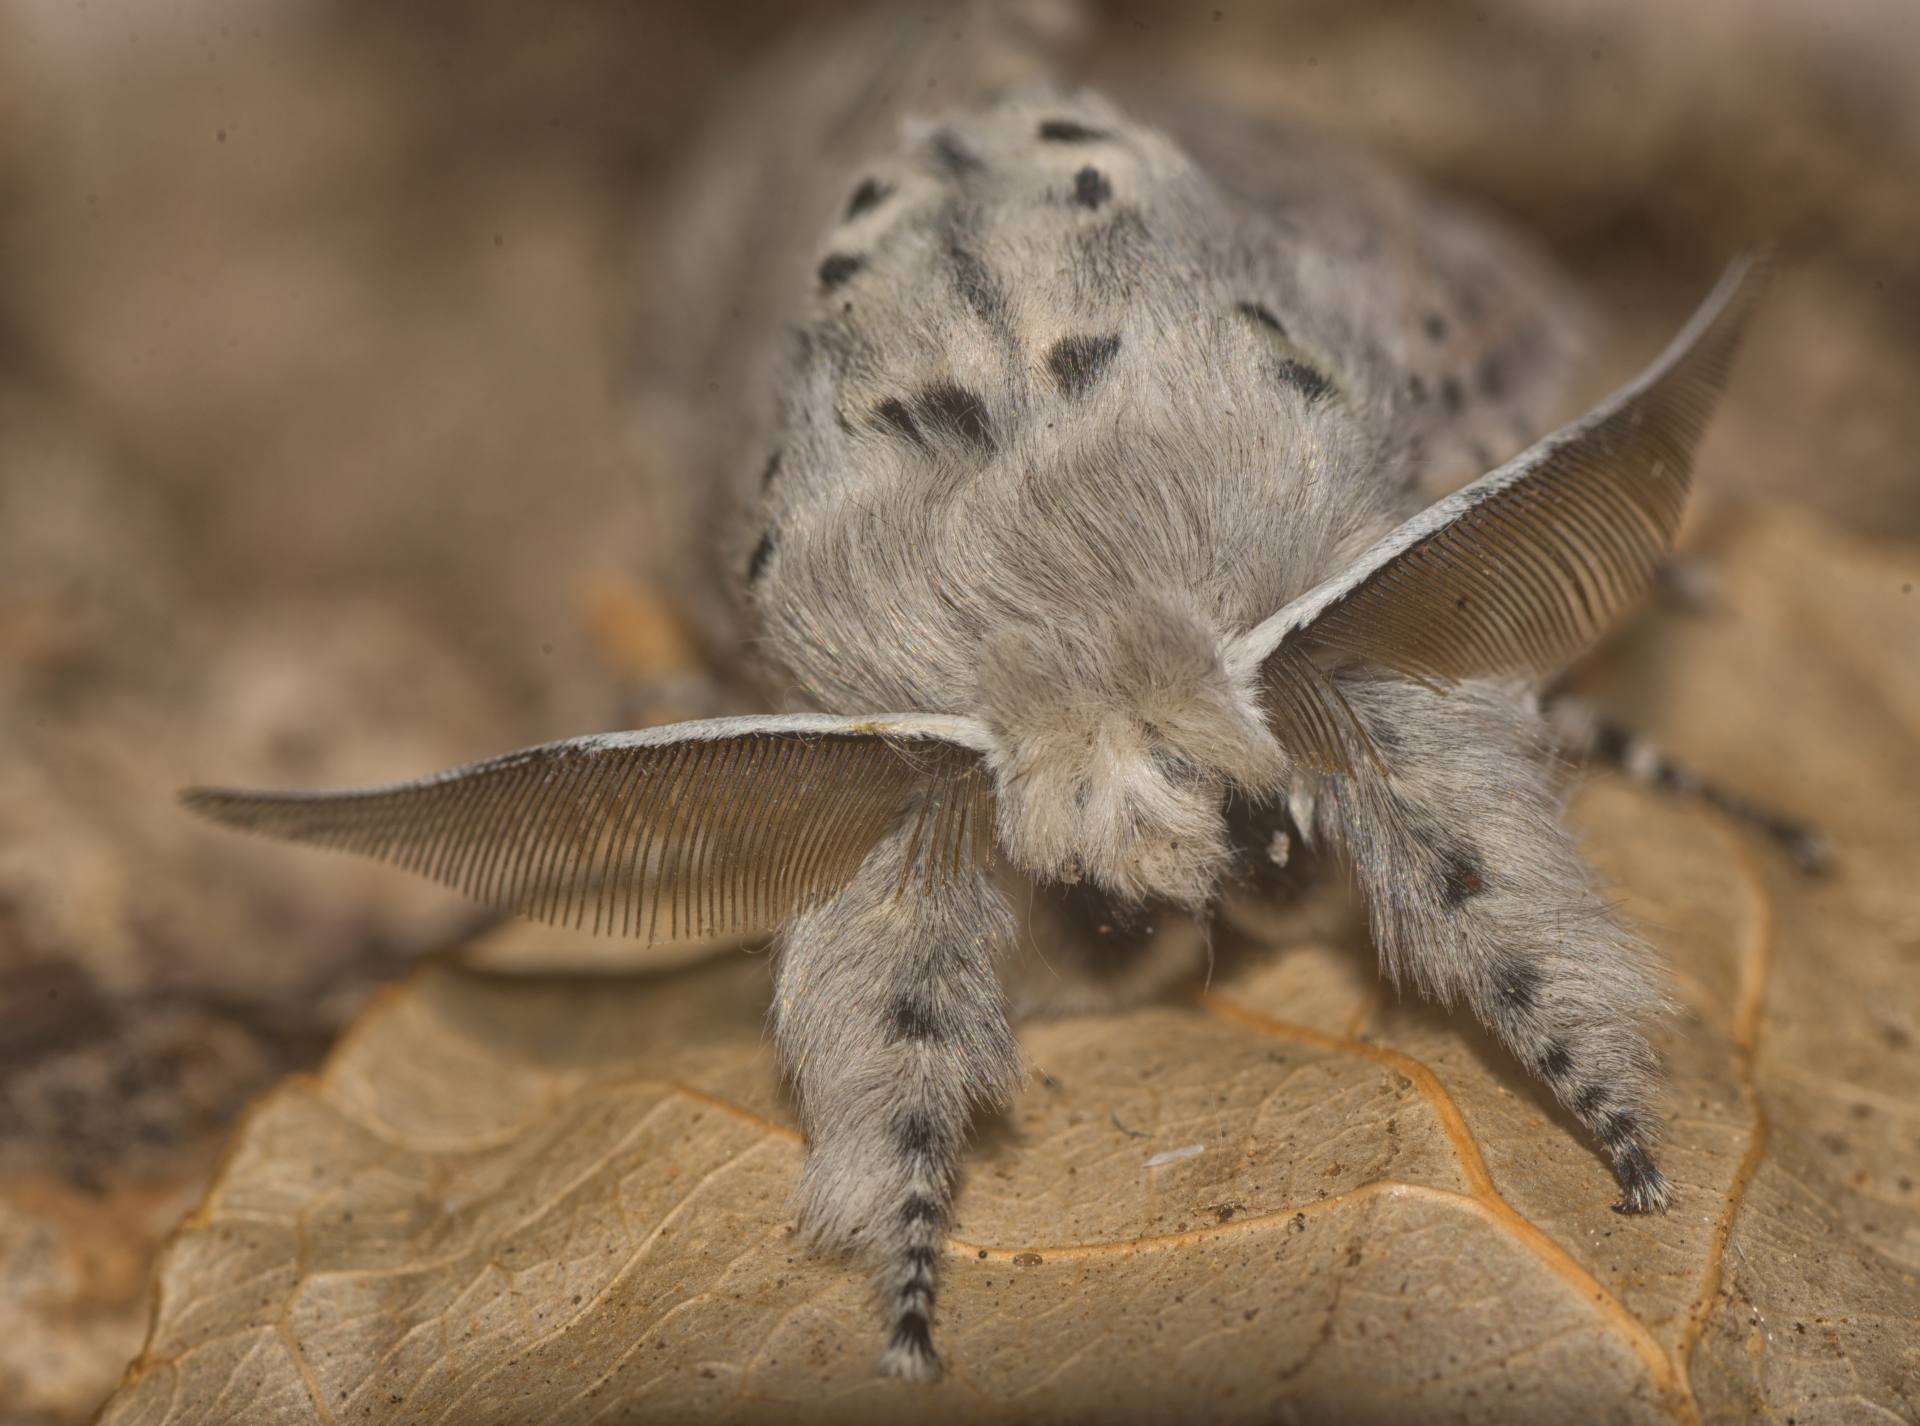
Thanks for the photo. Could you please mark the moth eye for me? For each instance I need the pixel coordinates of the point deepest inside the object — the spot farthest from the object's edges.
(838, 268)
(1067, 131)
(1078, 361)
(1090, 187)
(870, 194)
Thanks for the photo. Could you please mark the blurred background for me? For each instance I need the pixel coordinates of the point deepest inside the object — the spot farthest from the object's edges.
(321, 460)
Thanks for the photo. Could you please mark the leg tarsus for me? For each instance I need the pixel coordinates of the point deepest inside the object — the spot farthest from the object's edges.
(910, 1354)
(1643, 1188)
(1584, 735)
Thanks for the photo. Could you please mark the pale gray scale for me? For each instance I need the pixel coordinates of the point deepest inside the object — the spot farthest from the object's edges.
(1470, 337)
(1189, 474)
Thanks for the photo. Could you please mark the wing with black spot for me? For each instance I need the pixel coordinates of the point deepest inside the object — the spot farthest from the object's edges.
(684, 832)
(1520, 571)
(1453, 327)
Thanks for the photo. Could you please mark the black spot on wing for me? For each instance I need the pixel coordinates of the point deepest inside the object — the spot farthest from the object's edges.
(1090, 187)
(1436, 326)
(1588, 1101)
(757, 562)
(976, 285)
(1078, 361)
(870, 194)
(837, 268)
(893, 413)
(1304, 379)
(772, 469)
(1255, 312)
(957, 410)
(1451, 396)
(1069, 131)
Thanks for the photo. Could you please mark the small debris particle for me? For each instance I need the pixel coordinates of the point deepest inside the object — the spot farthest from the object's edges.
(1173, 1156)
(1027, 1260)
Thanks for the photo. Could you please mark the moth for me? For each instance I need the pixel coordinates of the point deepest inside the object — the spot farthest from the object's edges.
(1090, 512)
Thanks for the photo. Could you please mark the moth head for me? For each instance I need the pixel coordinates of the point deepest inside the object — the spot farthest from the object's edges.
(1115, 752)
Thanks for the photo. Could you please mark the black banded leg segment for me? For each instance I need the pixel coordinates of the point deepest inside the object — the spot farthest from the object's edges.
(1476, 893)
(1583, 734)
(892, 1028)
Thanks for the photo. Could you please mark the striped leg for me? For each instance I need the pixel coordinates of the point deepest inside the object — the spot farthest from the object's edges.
(1477, 893)
(891, 1025)
(1585, 735)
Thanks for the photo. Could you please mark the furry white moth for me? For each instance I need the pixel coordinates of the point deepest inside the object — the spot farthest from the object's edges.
(1099, 467)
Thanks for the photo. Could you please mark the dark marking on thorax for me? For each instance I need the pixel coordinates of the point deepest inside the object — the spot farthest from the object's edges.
(870, 194)
(836, 269)
(958, 411)
(1091, 188)
(1078, 361)
(1069, 131)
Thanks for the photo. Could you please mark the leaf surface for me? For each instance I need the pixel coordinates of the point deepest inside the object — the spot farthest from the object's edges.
(563, 1198)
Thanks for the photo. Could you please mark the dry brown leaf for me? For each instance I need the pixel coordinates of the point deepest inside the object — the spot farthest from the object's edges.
(514, 1200)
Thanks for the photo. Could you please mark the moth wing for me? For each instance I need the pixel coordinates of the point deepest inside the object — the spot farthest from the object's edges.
(764, 184)
(688, 831)
(1466, 334)
(1521, 570)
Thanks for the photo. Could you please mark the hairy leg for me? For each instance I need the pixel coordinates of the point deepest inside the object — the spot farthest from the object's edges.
(1585, 735)
(1477, 893)
(892, 1028)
